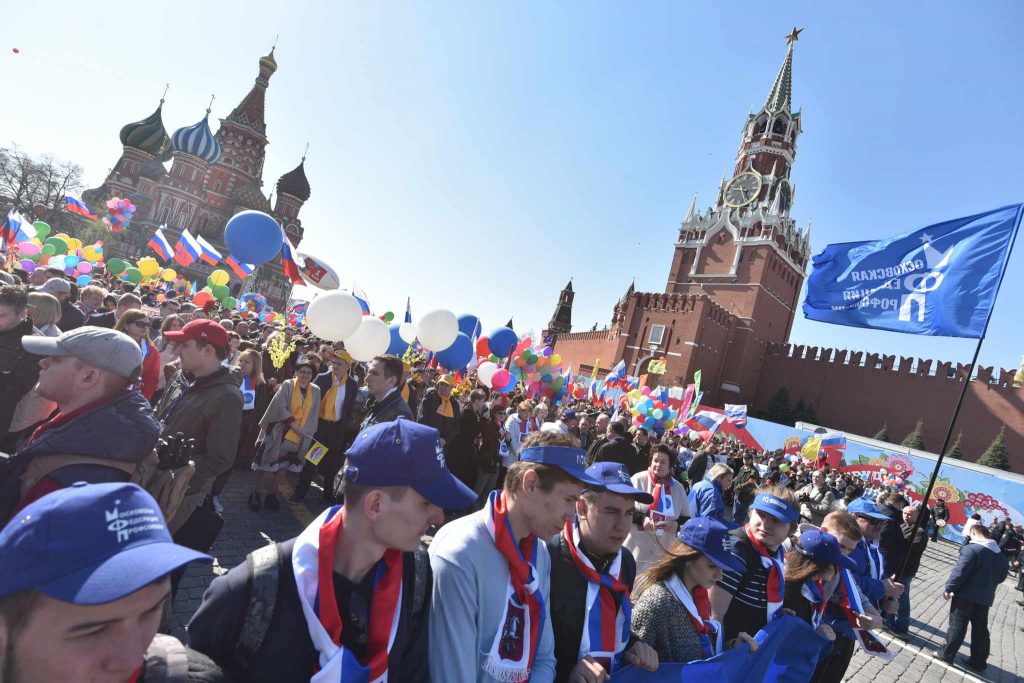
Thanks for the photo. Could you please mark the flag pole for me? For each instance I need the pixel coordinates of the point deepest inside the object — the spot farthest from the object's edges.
(960, 400)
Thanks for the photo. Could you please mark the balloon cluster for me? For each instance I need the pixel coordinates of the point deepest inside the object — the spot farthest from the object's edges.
(540, 370)
(650, 412)
(894, 480)
(119, 213)
(255, 305)
(60, 251)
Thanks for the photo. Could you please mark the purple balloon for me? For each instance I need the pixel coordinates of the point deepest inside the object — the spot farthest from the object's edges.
(28, 266)
(69, 270)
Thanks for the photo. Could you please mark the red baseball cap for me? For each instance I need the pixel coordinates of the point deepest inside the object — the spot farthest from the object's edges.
(205, 330)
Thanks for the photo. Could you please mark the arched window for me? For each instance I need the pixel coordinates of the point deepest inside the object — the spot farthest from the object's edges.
(216, 186)
(779, 127)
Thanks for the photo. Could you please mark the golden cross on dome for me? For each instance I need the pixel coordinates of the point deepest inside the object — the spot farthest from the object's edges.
(794, 35)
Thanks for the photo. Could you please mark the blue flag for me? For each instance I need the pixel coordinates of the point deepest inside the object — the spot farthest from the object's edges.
(941, 280)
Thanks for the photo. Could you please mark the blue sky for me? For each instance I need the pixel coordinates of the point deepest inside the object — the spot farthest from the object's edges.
(475, 155)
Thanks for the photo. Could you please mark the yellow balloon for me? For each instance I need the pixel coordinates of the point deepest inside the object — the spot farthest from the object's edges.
(64, 236)
(168, 274)
(89, 253)
(74, 244)
(148, 266)
(556, 359)
(219, 277)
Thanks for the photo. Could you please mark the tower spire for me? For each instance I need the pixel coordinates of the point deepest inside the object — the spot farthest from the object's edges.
(691, 215)
(781, 95)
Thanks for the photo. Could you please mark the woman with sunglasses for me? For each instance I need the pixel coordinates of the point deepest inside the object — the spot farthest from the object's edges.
(136, 324)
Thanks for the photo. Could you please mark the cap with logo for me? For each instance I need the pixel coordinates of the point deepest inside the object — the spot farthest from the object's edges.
(103, 348)
(867, 508)
(572, 461)
(823, 548)
(201, 330)
(713, 539)
(406, 453)
(614, 477)
(89, 544)
(776, 507)
(569, 414)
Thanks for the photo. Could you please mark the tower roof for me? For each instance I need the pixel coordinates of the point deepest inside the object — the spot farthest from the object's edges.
(629, 293)
(149, 134)
(294, 182)
(568, 287)
(250, 110)
(197, 140)
(781, 96)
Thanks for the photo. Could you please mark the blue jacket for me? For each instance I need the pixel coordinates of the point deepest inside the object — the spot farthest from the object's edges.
(981, 567)
(706, 501)
(871, 588)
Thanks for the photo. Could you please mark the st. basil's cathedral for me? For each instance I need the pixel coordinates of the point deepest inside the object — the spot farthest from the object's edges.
(212, 177)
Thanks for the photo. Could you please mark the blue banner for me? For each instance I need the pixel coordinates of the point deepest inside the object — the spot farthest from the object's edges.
(941, 280)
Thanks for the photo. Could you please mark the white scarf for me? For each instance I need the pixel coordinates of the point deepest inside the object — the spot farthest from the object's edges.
(876, 560)
(676, 588)
(305, 564)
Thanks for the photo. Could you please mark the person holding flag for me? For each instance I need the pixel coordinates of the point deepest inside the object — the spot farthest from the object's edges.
(592, 577)
(349, 598)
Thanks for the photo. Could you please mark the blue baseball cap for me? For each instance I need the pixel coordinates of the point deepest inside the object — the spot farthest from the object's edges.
(823, 547)
(572, 461)
(89, 544)
(569, 414)
(712, 538)
(406, 453)
(867, 508)
(614, 477)
(776, 507)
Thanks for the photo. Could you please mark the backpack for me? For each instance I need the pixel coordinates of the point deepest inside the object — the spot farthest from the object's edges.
(263, 567)
(168, 487)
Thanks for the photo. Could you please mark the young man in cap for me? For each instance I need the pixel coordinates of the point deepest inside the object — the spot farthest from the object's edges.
(70, 316)
(592, 577)
(489, 619)
(876, 590)
(203, 402)
(102, 430)
(746, 601)
(84, 583)
(566, 422)
(351, 593)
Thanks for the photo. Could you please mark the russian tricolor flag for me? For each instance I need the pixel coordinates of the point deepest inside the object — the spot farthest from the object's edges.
(16, 228)
(288, 265)
(158, 243)
(242, 270)
(187, 250)
(76, 205)
(360, 296)
(208, 254)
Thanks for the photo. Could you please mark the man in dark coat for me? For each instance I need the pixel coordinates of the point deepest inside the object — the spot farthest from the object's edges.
(18, 368)
(440, 411)
(462, 451)
(899, 623)
(617, 449)
(971, 589)
(594, 546)
(384, 404)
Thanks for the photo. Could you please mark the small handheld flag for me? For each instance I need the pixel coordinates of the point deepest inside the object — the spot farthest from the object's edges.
(158, 243)
(242, 270)
(288, 265)
(209, 254)
(76, 205)
(187, 250)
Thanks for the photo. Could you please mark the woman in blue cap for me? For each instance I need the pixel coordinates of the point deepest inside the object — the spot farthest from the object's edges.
(811, 567)
(673, 613)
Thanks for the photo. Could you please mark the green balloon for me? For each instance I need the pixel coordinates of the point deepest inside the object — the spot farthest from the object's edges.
(42, 229)
(220, 292)
(48, 250)
(132, 275)
(115, 265)
(60, 245)
(229, 302)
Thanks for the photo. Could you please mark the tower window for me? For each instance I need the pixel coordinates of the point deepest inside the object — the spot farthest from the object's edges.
(657, 335)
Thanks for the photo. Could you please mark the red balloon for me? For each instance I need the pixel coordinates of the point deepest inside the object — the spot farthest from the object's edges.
(482, 349)
(202, 298)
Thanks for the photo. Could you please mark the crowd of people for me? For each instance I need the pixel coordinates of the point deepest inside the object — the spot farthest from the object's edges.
(565, 543)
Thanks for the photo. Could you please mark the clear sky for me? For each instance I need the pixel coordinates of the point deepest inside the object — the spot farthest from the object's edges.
(475, 155)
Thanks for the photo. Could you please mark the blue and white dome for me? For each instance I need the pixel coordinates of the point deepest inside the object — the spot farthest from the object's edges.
(197, 140)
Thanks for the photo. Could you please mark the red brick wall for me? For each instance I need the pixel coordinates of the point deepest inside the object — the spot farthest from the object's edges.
(860, 398)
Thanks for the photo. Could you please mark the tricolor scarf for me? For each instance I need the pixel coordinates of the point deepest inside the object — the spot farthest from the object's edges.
(852, 606)
(776, 584)
(814, 591)
(698, 605)
(662, 510)
(313, 564)
(522, 619)
(605, 624)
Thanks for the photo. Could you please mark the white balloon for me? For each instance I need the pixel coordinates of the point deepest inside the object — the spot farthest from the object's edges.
(371, 339)
(485, 372)
(437, 330)
(407, 331)
(334, 316)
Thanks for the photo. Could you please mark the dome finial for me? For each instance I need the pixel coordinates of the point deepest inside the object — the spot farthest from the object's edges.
(167, 86)
(209, 107)
(305, 152)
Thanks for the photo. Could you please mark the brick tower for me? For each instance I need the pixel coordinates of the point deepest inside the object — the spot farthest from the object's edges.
(561, 321)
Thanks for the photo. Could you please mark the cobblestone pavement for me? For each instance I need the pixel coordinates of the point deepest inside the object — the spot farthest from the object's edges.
(245, 530)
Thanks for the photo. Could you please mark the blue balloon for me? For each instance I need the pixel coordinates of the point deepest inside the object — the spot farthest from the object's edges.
(458, 355)
(502, 342)
(398, 346)
(469, 325)
(253, 237)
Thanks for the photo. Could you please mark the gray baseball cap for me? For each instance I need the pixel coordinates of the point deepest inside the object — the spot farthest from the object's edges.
(56, 285)
(105, 349)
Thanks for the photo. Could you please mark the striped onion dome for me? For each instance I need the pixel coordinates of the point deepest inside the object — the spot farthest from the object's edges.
(197, 140)
(147, 135)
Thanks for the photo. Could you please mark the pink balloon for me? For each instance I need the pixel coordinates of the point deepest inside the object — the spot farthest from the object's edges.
(646, 391)
(499, 380)
(84, 267)
(28, 248)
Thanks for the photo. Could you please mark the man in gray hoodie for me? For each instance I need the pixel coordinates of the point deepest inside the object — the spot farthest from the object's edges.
(971, 587)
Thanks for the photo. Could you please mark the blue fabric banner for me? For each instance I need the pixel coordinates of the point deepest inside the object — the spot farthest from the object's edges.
(941, 280)
(788, 652)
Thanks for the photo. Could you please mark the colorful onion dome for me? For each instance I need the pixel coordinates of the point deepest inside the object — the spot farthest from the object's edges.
(197, 140)
(147, 135)
(251, 197)
(294, 182)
